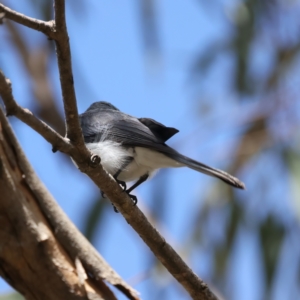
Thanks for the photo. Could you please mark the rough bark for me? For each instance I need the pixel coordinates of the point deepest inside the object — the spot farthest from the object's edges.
(32, 260)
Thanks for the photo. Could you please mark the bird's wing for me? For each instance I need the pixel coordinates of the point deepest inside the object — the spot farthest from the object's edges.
(125, 129)
(159, 130)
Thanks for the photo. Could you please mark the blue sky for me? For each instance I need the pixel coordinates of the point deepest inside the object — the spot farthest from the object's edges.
(110, 63)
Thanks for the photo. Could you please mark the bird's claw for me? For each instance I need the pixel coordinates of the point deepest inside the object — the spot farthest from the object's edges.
(122, 184)
(54, 149)
(133, 198)
(115, 209)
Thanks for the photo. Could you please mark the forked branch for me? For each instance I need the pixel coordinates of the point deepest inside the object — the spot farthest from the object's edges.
(42, 26)
(76, 149)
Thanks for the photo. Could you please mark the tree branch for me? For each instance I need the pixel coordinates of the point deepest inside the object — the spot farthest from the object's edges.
(36, 63)
(12, 108)
(44, 27)
(31, 258)
(73, 129)
(161, 249)
(72, 241)
(57, 31)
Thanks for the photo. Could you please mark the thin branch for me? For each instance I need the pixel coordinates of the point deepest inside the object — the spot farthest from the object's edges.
(60, 15)
(12, 108)
(73, 129)
(160, 248)
(57, 31)
(42, 26)
(36, 63)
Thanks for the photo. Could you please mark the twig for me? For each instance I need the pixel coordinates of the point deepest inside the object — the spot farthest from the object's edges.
(36, 65)
(12, 108)
(57, 31)
(42, 26)
(73, 129)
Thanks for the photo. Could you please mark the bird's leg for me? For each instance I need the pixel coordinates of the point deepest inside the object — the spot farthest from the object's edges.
(140, 181)
(120, 182)
(125, 164)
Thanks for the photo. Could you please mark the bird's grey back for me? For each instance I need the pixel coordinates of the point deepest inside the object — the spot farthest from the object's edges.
(103, 117)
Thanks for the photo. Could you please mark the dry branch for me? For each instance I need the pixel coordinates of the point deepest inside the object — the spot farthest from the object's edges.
(161, 249)
(42, 26)
(73, 129)
(75, 244)
(36, 64)
(32, 259)
(12, 108)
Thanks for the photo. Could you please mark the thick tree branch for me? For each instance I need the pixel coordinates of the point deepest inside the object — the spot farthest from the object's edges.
(42, 26)
(31, 258)
(72, 241)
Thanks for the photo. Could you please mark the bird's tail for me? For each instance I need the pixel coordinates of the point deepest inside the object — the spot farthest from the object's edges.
(195, 165)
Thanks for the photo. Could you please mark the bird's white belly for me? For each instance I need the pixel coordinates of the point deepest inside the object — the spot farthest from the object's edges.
(145, 161)
(112, 154)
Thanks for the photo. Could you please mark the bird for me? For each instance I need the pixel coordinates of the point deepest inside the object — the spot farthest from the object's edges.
(131, 149)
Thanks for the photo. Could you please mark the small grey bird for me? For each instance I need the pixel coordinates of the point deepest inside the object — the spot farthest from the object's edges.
(132, 148)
